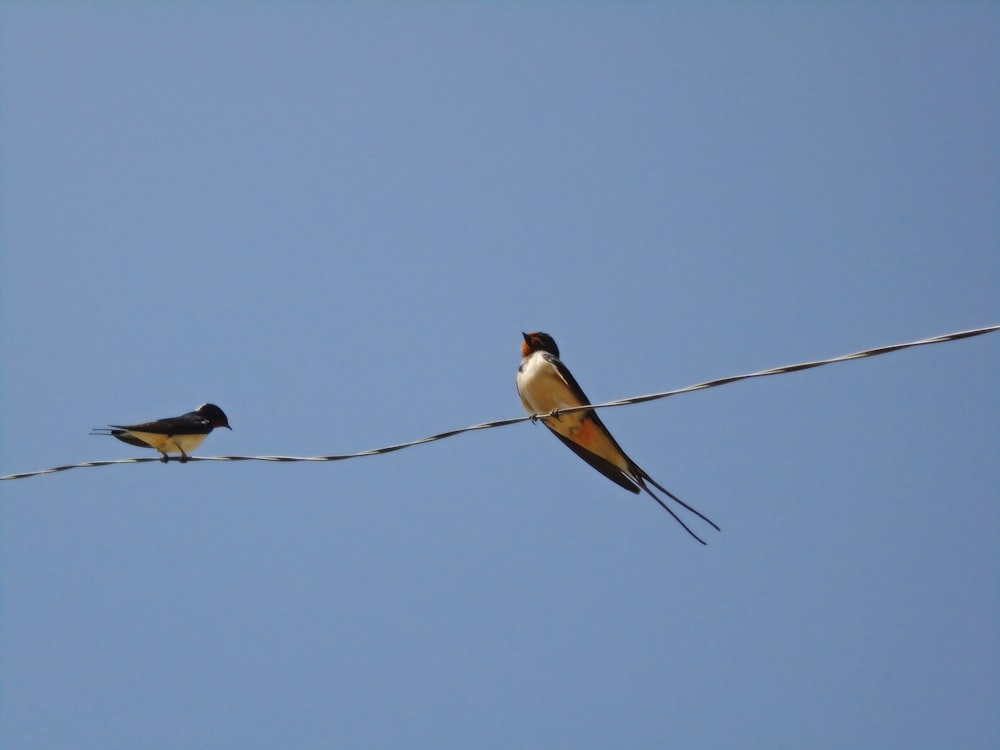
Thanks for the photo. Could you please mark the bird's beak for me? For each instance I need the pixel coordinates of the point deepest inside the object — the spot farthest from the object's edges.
(525, 336)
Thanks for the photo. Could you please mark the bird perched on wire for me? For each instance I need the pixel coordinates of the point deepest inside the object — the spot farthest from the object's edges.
(545, 385)
(171, 434)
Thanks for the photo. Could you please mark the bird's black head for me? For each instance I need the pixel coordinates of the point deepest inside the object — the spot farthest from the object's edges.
(538, 342)
(215, 415)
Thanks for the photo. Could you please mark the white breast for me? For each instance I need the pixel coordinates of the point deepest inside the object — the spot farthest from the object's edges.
(170, 443)
(541, 387)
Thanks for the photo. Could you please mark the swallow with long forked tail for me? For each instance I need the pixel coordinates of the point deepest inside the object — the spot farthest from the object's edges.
(172, 434)
(545, 384)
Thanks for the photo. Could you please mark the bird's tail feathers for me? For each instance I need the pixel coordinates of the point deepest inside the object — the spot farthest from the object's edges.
(671, 512)
(643, 477)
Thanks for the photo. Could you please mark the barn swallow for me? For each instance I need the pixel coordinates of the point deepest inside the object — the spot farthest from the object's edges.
(183, 433)
(545, 384)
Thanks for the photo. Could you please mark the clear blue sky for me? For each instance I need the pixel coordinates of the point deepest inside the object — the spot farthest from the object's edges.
(335, 220)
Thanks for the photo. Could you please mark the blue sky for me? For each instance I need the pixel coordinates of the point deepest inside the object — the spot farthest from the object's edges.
(334, 220)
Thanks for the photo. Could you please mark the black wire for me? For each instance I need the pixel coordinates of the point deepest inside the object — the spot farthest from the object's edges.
(504, 422)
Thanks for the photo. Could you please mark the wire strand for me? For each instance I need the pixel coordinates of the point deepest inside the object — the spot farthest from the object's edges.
(504, 422)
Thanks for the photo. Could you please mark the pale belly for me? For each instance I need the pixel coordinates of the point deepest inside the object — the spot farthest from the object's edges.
(171, 443)
(542, 390)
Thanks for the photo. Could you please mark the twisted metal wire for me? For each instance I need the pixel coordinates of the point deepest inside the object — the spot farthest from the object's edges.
(504, 422)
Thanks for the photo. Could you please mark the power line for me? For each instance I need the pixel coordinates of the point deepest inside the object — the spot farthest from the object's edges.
(504, 422)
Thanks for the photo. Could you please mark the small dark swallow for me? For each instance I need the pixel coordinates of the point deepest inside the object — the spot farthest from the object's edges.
(172, 434)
